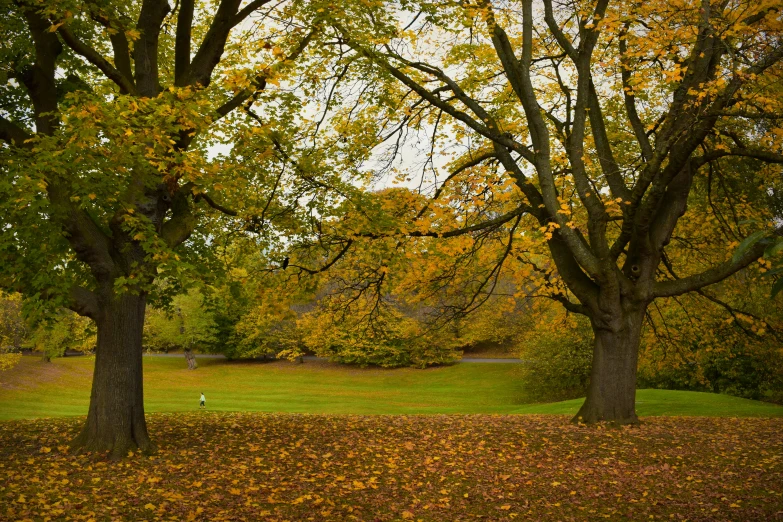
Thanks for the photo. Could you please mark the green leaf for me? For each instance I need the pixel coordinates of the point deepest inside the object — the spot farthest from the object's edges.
(775, 271)
(747, 244)
(777, 287)
(775, 248)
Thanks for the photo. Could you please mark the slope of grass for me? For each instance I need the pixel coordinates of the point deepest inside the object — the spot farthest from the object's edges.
(62, 388)
(651, 403)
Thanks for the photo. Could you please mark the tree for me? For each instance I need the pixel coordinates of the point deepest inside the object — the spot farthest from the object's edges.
(13, 329)
(602, 114)
(186, 324)
(107, 120)
(61, 332)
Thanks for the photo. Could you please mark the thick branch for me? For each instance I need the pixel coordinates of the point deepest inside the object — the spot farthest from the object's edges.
(211, 202)
(145, 49)
(182, 223)
(182, 43)
(12, 134)
(248, 10)
(211, 49)
(708, 277)
(119, 44)
(84, 302)
(630, 100)
(92, 56)
(763, 155)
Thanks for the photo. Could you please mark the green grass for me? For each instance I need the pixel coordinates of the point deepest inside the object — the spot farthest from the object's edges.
(653, 403)
(62, 388)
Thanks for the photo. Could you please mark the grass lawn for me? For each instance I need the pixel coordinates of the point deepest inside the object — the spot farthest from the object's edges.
(62, 388)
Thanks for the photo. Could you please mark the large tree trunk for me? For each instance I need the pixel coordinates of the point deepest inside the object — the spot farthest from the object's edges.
(611, 395)
(115, 421)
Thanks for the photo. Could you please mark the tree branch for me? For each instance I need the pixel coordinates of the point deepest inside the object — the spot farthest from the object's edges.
(13, 134)
(182, 42)
(211, 202)
(763, 155)
(211, 49)
(708, 277)
(145, 49)
(328, 265)
(84, 302)
(92, 56)
(248, 10)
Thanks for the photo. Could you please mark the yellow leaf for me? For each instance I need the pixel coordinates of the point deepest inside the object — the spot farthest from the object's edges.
(234, 491)
(91, 196)
(45, 449)
(149, 506)
(407, 514)
(21, 499)
(505, 507)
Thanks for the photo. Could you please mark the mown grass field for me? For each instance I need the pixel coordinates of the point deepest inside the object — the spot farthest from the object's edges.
(62, 388)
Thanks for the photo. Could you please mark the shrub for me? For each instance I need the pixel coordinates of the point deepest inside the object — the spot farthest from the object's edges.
(9, 360)
(557, 355)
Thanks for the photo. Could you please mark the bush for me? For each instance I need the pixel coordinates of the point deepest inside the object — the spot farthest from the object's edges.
(707, 351)
(9, 360)
(557, 355)
(740, 366)
(62, 332)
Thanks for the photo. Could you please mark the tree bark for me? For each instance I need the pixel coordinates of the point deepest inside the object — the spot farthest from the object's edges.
(191, 359)
(611, 394)
(115, 421)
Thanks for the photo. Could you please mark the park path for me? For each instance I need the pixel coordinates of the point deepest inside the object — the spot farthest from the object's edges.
(325, 359)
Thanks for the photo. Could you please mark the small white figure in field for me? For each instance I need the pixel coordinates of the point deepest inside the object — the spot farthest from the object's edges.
(203, 400)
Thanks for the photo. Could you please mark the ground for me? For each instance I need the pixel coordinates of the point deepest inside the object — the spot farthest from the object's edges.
(252, 466)
(330, 464)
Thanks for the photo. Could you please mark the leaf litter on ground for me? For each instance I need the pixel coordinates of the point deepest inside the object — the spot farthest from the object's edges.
(251, 466)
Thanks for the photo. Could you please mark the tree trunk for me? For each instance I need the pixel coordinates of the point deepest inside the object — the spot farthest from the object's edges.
(115, 421)
(611, 394)
(192, 365)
